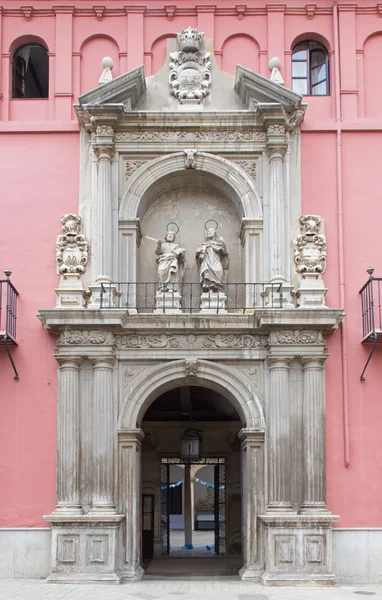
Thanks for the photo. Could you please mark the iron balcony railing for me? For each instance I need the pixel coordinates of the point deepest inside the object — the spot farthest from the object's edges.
(371, 308)
(8, 310)
(148, 297)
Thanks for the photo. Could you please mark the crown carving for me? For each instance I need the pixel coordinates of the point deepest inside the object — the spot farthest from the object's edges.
(190, 40)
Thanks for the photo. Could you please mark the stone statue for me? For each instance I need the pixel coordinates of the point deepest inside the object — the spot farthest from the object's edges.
(171, 263)
(212, 258)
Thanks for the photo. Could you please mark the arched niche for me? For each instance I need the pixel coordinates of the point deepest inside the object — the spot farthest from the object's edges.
(159, 52)
(372, 84)
(215, 177)
(93, 50)
(240, 49)
(159, 379)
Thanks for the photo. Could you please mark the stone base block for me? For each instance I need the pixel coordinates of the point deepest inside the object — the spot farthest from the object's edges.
(278, 297)
(311, 293)
(298, 550)
(86, 548)
(168, 303)
(250, 574)
(105, 294)
(70, 293)
(213, 302)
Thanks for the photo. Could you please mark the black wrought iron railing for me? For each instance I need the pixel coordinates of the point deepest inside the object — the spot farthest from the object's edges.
(371, 308)
(371, 314)
(8, 316)
(8, 310)
(148, 297)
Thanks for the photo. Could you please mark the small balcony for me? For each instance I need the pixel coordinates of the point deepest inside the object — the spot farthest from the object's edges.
(149, 297)
(371, 309)
(8, 311)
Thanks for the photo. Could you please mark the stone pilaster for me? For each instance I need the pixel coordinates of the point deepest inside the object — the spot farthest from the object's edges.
(252, 465)
(68, 455)
(276, 149)
(279, 435)
(104, 258)
(314, 495)
(130, 500)
(103, 436)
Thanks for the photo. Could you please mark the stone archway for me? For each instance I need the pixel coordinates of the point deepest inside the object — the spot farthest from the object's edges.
(225, 176)
(237, 389)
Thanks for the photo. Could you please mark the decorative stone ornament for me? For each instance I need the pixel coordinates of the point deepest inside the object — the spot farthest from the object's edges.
(274, 66)
(107, 65)
(72, 251)
(190, 69)
(310, 259)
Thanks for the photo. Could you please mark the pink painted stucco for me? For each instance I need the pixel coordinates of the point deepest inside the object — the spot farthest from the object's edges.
(39, 152)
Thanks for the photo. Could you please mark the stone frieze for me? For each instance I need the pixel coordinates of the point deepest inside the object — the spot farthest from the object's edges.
(296, 336)
(200, 341)
(161, 135)
(85, 337)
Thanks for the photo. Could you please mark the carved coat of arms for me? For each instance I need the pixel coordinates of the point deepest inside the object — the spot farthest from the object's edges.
(190, 69)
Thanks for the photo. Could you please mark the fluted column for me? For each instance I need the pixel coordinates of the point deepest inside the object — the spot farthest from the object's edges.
(103, 436)
(68, 455)
(314, 460)
(279, 435)
(104, 257)
(277, 212)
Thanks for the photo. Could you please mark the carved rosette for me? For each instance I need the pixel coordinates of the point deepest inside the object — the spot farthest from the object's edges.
(72, 248)
(310, 246)
(190, 69)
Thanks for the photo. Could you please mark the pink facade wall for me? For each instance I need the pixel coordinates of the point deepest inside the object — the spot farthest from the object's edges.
(39, 149)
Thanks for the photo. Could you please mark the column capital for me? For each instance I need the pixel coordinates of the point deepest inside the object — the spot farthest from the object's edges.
(313, 362)
(103, 362)
(279, 362)
(130, 435)
(69, 362)
(251, 435)
(104, 151)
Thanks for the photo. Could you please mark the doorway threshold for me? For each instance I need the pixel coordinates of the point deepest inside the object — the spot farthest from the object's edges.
(168, 567)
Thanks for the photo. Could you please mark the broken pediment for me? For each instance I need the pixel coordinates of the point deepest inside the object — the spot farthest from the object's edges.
(254, 89)
(126, 89)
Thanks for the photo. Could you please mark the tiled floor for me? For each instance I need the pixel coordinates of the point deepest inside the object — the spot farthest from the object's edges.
(24, 589)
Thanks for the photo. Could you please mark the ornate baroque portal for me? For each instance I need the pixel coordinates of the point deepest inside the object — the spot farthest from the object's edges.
(200, 172)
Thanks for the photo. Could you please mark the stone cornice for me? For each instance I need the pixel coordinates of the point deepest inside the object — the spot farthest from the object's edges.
(261, 321)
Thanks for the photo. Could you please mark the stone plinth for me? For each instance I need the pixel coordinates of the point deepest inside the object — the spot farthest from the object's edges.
(70, 293)
(311, 293)
(213, 302)
(168, 302)
(86, 549)
(298, 550)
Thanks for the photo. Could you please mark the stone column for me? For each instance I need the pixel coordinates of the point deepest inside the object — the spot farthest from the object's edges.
(252, 500)
(279, 249)
(103, 436)
(187, 506)
(192, 503)
(68, 455)
(279, 442)
(104, 256)
(130, 498)
(314, 460)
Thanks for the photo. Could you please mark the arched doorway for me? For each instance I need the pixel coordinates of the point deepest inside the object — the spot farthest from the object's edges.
(229, 416)
(193, 516)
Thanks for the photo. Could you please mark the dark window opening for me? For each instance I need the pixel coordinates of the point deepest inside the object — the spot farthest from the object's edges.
(310, 69)
(30, 77)
(175, 502)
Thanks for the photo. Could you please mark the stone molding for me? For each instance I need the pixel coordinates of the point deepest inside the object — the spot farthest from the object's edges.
(296, 336)
(171, 135)
(220, 377)
(197, 341)
(85, 337)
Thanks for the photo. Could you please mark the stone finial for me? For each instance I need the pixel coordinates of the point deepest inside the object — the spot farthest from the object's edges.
(107, 65)
(72, 248)
(310, 259)
(310, 246)
(274, 66)
(72, 252)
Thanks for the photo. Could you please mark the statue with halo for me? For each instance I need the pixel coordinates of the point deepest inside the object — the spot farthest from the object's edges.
(171, 263)
(212, 259)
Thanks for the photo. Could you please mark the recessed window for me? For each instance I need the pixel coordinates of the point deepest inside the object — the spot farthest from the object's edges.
(30, 76)
(310, 69)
